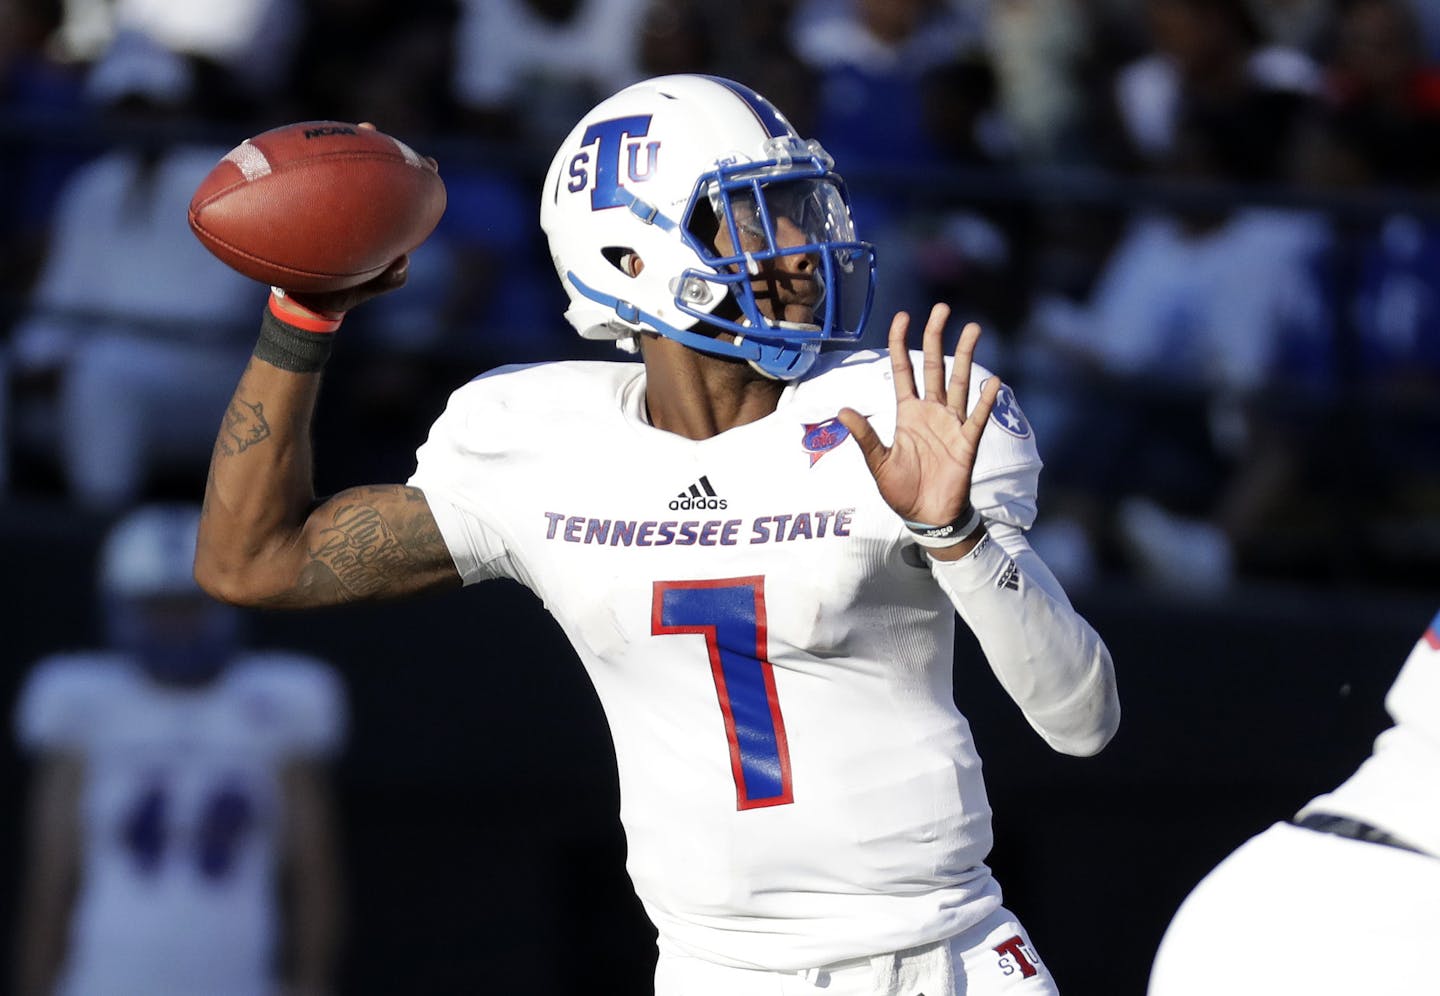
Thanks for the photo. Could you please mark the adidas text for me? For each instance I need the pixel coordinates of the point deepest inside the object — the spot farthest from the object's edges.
(689, 501)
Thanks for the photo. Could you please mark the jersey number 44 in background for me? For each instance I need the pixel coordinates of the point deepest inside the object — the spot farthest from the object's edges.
(730, 614)
(151, 827)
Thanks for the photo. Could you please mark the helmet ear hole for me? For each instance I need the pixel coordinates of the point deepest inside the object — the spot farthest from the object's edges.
(624, 259)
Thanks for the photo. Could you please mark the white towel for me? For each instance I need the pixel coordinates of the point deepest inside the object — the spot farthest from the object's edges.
(922, 971)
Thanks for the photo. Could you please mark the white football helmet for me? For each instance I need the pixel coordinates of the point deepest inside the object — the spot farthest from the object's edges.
(152, 607)
(150, 553)
(654, 173)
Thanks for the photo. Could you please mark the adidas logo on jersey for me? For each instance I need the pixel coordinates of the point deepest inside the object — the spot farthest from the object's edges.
(701, 494)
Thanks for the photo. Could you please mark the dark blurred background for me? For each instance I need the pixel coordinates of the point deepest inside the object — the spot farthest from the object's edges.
(1203, 237)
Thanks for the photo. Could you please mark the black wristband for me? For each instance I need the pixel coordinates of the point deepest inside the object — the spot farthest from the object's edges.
(965, 523)
(290, 348)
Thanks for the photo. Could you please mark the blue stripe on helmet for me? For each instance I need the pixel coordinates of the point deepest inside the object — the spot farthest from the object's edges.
(770, 119)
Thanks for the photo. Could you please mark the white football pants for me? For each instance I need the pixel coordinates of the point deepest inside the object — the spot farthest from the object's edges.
(993, 958)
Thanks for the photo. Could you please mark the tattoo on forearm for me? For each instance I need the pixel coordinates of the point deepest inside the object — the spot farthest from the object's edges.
(244, 426)
(209, 489)
(361, 550)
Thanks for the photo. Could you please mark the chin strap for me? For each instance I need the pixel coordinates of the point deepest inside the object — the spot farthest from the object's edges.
(802, 357)
(780, 361)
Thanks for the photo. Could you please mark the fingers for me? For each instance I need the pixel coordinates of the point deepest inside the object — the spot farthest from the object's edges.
(395, 274)
(391, 278)
(934, 352)
(431, 160)
(900, 357)
(974, 426)
(870, 445)
(958, 395)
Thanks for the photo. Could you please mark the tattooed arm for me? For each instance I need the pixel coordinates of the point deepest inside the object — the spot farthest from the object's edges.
(265, 540)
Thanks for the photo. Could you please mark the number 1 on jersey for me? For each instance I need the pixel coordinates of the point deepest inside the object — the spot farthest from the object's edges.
(730, 614)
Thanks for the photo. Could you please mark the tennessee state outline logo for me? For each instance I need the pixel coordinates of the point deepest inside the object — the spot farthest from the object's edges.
(822, 437)
(1007, 414)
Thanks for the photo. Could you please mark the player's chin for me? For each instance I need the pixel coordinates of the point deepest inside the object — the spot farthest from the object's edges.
(787, 312)
(798, 314)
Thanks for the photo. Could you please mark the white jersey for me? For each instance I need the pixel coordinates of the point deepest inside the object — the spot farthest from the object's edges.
(1322, 903)
(773, 655)
(180, 816)
(1396, 788)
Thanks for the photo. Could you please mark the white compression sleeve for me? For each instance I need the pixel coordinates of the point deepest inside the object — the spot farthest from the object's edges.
(1045, 655)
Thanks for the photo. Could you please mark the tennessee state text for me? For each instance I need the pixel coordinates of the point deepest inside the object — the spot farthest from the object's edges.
(693, 532)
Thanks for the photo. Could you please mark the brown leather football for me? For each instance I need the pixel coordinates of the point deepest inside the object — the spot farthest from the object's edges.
(317, 206)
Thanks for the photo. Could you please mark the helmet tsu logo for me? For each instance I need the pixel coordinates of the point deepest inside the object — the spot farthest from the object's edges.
(617, 142)
(662, 151)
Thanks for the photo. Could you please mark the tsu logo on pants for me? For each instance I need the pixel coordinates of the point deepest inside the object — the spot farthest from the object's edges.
(1016, 957)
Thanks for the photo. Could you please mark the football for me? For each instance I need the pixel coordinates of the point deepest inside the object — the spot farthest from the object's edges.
(317, 206)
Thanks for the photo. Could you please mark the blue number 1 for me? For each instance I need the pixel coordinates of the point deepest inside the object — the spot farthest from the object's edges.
(730, 614)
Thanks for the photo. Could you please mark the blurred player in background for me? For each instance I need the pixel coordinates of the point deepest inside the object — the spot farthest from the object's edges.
(179, 793)
(1345, 897)
(765, 608)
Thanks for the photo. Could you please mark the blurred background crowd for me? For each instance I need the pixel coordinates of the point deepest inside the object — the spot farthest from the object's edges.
(1200, 233)
(1203, 237)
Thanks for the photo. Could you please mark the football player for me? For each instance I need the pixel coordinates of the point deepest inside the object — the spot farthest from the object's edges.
(179, 792)
(756, 545)
(1344, 897)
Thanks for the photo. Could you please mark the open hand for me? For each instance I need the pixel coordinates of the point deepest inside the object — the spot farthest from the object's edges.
(924, 475)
